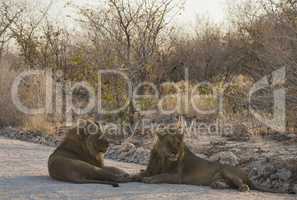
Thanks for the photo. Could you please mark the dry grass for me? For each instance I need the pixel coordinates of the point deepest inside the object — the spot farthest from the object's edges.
(39, 124)
(9, 116)
(192, 106)
(31, 93)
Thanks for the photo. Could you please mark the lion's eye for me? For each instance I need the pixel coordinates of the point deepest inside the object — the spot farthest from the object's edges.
(99, 137)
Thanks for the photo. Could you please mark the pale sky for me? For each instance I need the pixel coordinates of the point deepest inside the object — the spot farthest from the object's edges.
(213, 9)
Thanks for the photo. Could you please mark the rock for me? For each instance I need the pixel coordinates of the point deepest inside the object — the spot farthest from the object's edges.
(236, 150)
(283, 137)
(284, 174)
(142, 155)
(129, 153)
(126, 147)
(294, 189)
(268, 170)
(29, 136)
(264, 169)
(270, 174)
(239, 133)
(225, 158)
(12, 135)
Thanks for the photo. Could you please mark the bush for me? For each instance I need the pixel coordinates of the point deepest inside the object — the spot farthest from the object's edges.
(31, 93)
(9, 116)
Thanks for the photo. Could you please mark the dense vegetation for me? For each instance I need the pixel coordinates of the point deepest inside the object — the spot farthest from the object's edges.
(142, 40)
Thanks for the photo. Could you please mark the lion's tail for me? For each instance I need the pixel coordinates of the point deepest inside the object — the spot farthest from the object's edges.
(114, 184)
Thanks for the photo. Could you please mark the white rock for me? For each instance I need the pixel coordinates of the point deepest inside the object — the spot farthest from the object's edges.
(284, 174)
(127, 147)
(225, 158)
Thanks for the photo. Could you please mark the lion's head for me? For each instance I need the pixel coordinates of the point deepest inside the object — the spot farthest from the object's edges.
(170, 144)
(96, 144)
(90, 138)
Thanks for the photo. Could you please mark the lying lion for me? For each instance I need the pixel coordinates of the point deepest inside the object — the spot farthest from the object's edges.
(172, 162)
(80, 159)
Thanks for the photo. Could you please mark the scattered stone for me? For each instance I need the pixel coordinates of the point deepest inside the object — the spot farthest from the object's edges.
(128, 152)
(283, 174)
(283, 137)
(127, 147)
(240, 133)
(29, 136)
(294, 189)
(292, 136)
(225, 158)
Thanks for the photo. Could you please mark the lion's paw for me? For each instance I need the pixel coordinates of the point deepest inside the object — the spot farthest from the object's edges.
(149, 180)
(219, 185)
(123, 177)
(244, 188)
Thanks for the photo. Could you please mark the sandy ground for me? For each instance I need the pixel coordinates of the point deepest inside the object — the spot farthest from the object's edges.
(24, 176)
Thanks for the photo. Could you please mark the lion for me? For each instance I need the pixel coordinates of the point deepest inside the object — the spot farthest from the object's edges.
(172, 162)
(80, 159)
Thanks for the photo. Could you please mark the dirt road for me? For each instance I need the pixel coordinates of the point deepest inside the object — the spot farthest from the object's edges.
(24, 176)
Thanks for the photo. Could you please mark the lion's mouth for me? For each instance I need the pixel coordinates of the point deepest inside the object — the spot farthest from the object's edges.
(103, 150)
(173, 157)
(99, 156)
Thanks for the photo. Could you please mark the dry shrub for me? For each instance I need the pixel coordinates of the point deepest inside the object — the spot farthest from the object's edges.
(31, 93)
(292, 120)
(194, 106)
(40, 123)
(9, 116)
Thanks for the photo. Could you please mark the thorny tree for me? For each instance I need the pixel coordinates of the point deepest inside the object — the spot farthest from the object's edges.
(133, 31)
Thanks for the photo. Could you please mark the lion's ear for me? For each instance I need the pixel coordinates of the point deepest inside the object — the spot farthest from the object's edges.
(81, 127)
(81, 131)
(181, 123)
(180, 137)
(160, 135)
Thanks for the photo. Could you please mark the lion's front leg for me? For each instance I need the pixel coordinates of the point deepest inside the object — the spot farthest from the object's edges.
(163, 178)
(219, 184)
(119, 175)
(235, 180)
(137, 177)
